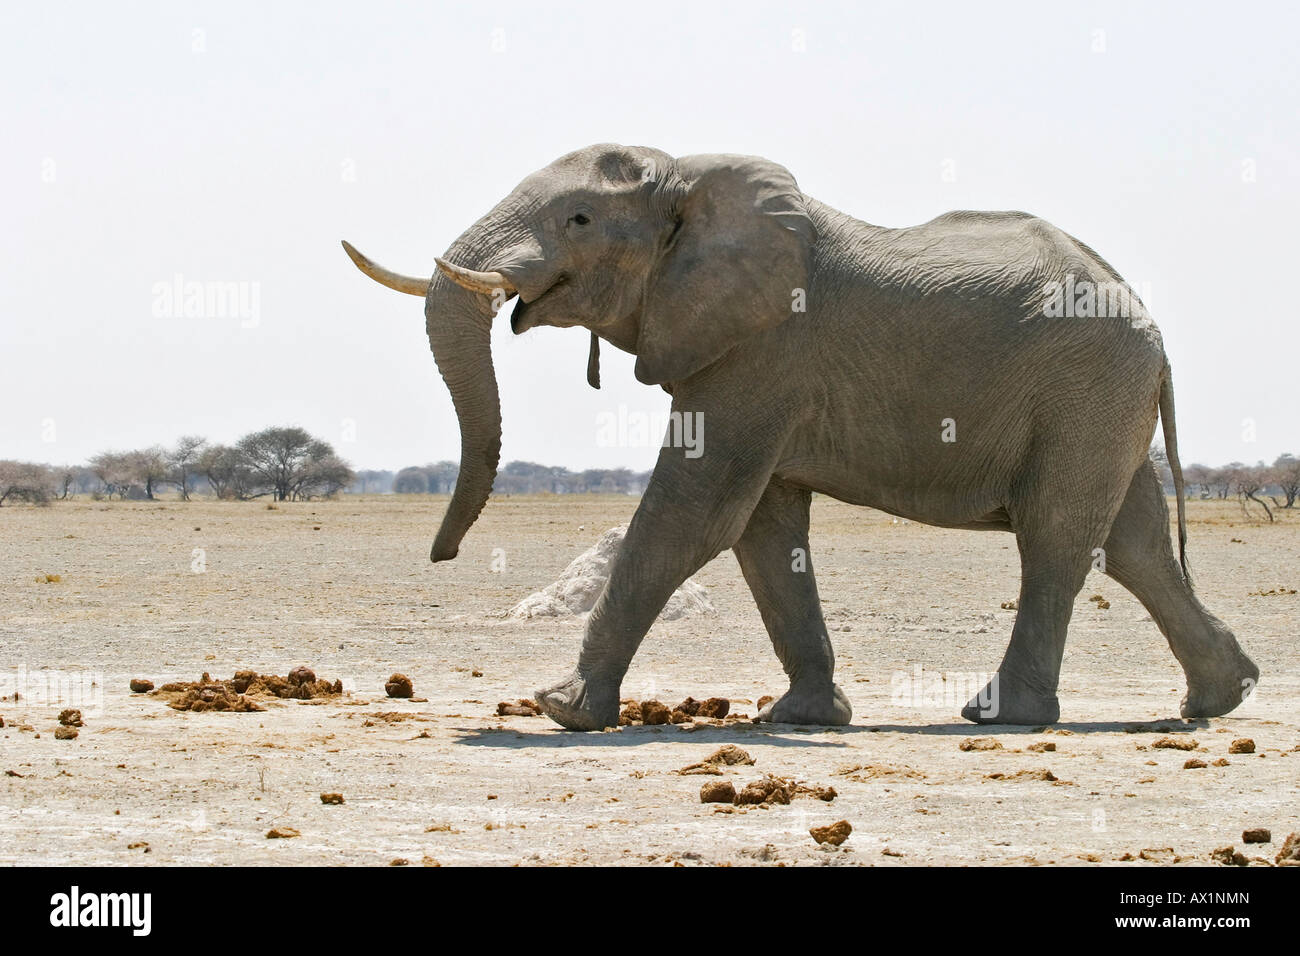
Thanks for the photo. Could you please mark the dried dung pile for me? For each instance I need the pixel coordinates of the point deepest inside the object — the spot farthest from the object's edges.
(236, 694)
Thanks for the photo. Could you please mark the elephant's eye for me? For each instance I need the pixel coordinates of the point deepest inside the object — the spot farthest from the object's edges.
(581, 219)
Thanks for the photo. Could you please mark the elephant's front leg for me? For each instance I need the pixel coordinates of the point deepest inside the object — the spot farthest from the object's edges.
(692, 509)
(774, 557)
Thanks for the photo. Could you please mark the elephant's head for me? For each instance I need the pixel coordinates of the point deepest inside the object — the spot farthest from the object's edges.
(674, 260)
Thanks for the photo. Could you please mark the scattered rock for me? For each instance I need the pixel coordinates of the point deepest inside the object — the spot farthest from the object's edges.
(331, 799)
(65, 733)
(141, 686)
(282, 833)
(1290, 852)
(834, 834)
(1195, 763)
(718, 791)
(1256, 835)
(1175, 743)
(399, 685)
(70, 718)
(979, 743)
(1242, 745)
(523, 707)
(580, 584)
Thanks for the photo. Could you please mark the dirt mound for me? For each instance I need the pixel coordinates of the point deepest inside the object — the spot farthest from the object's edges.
(234, 694)
(575, 592)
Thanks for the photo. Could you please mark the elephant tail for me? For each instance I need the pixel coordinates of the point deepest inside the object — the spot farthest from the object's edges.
(1175, 467)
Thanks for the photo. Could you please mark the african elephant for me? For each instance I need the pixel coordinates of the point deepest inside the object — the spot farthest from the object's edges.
(921, 371)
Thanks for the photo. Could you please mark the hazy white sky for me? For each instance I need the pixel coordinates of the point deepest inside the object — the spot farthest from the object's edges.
(240, 141)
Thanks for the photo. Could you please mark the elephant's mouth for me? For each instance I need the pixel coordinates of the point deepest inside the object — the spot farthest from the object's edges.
(525, 314)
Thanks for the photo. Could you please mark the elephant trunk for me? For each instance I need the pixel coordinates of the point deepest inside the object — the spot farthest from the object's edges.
(459, 324)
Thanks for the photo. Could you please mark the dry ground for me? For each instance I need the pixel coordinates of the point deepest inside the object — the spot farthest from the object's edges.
(346, 587)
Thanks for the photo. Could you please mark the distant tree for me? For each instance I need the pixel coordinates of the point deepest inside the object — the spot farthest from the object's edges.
(373, 482)
(411, 481)
(228, 473)
(148, 467)
(25, 481)
(442, 477)
(293, 464)
(1286, 473)
(1249, 482)
(116, 472)
(1198, 477)
(182, 462)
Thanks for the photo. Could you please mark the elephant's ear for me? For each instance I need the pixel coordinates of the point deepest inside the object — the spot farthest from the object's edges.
(743, 245)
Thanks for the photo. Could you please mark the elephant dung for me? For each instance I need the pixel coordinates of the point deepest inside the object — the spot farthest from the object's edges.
(718, 791)
(1289, 855)
(524, 707)
(399, 685)
(331, 799)
(979, 743)
(65, 733)
(767, 790)
(1242, 745)
(70, 718)
(1256, 835)
(834, 834)
(1175, 743)
(653, 712)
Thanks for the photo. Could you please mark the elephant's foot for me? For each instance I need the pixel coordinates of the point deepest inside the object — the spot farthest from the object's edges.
(578, 703)
(1007, 701)
(820, 704)
(1219, 694)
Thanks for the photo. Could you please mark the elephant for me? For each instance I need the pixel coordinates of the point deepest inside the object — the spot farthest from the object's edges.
(922, 371)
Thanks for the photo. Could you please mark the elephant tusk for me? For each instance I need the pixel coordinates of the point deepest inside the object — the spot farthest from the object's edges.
(484, 282)
(386, 277)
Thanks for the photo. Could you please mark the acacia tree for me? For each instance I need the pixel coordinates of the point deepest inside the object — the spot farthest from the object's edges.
(227, 472)
(25, 481)
(1286, 474)
(183, 462)
(115, 472)
(293, 464)
(1249, 482)
(149, 466)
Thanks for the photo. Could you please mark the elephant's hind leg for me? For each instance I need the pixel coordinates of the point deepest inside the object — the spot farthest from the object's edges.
(1059, 523)
(1140, 557)
(774, 558)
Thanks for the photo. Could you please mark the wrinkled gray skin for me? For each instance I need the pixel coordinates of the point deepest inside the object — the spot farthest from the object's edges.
(693, 264)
